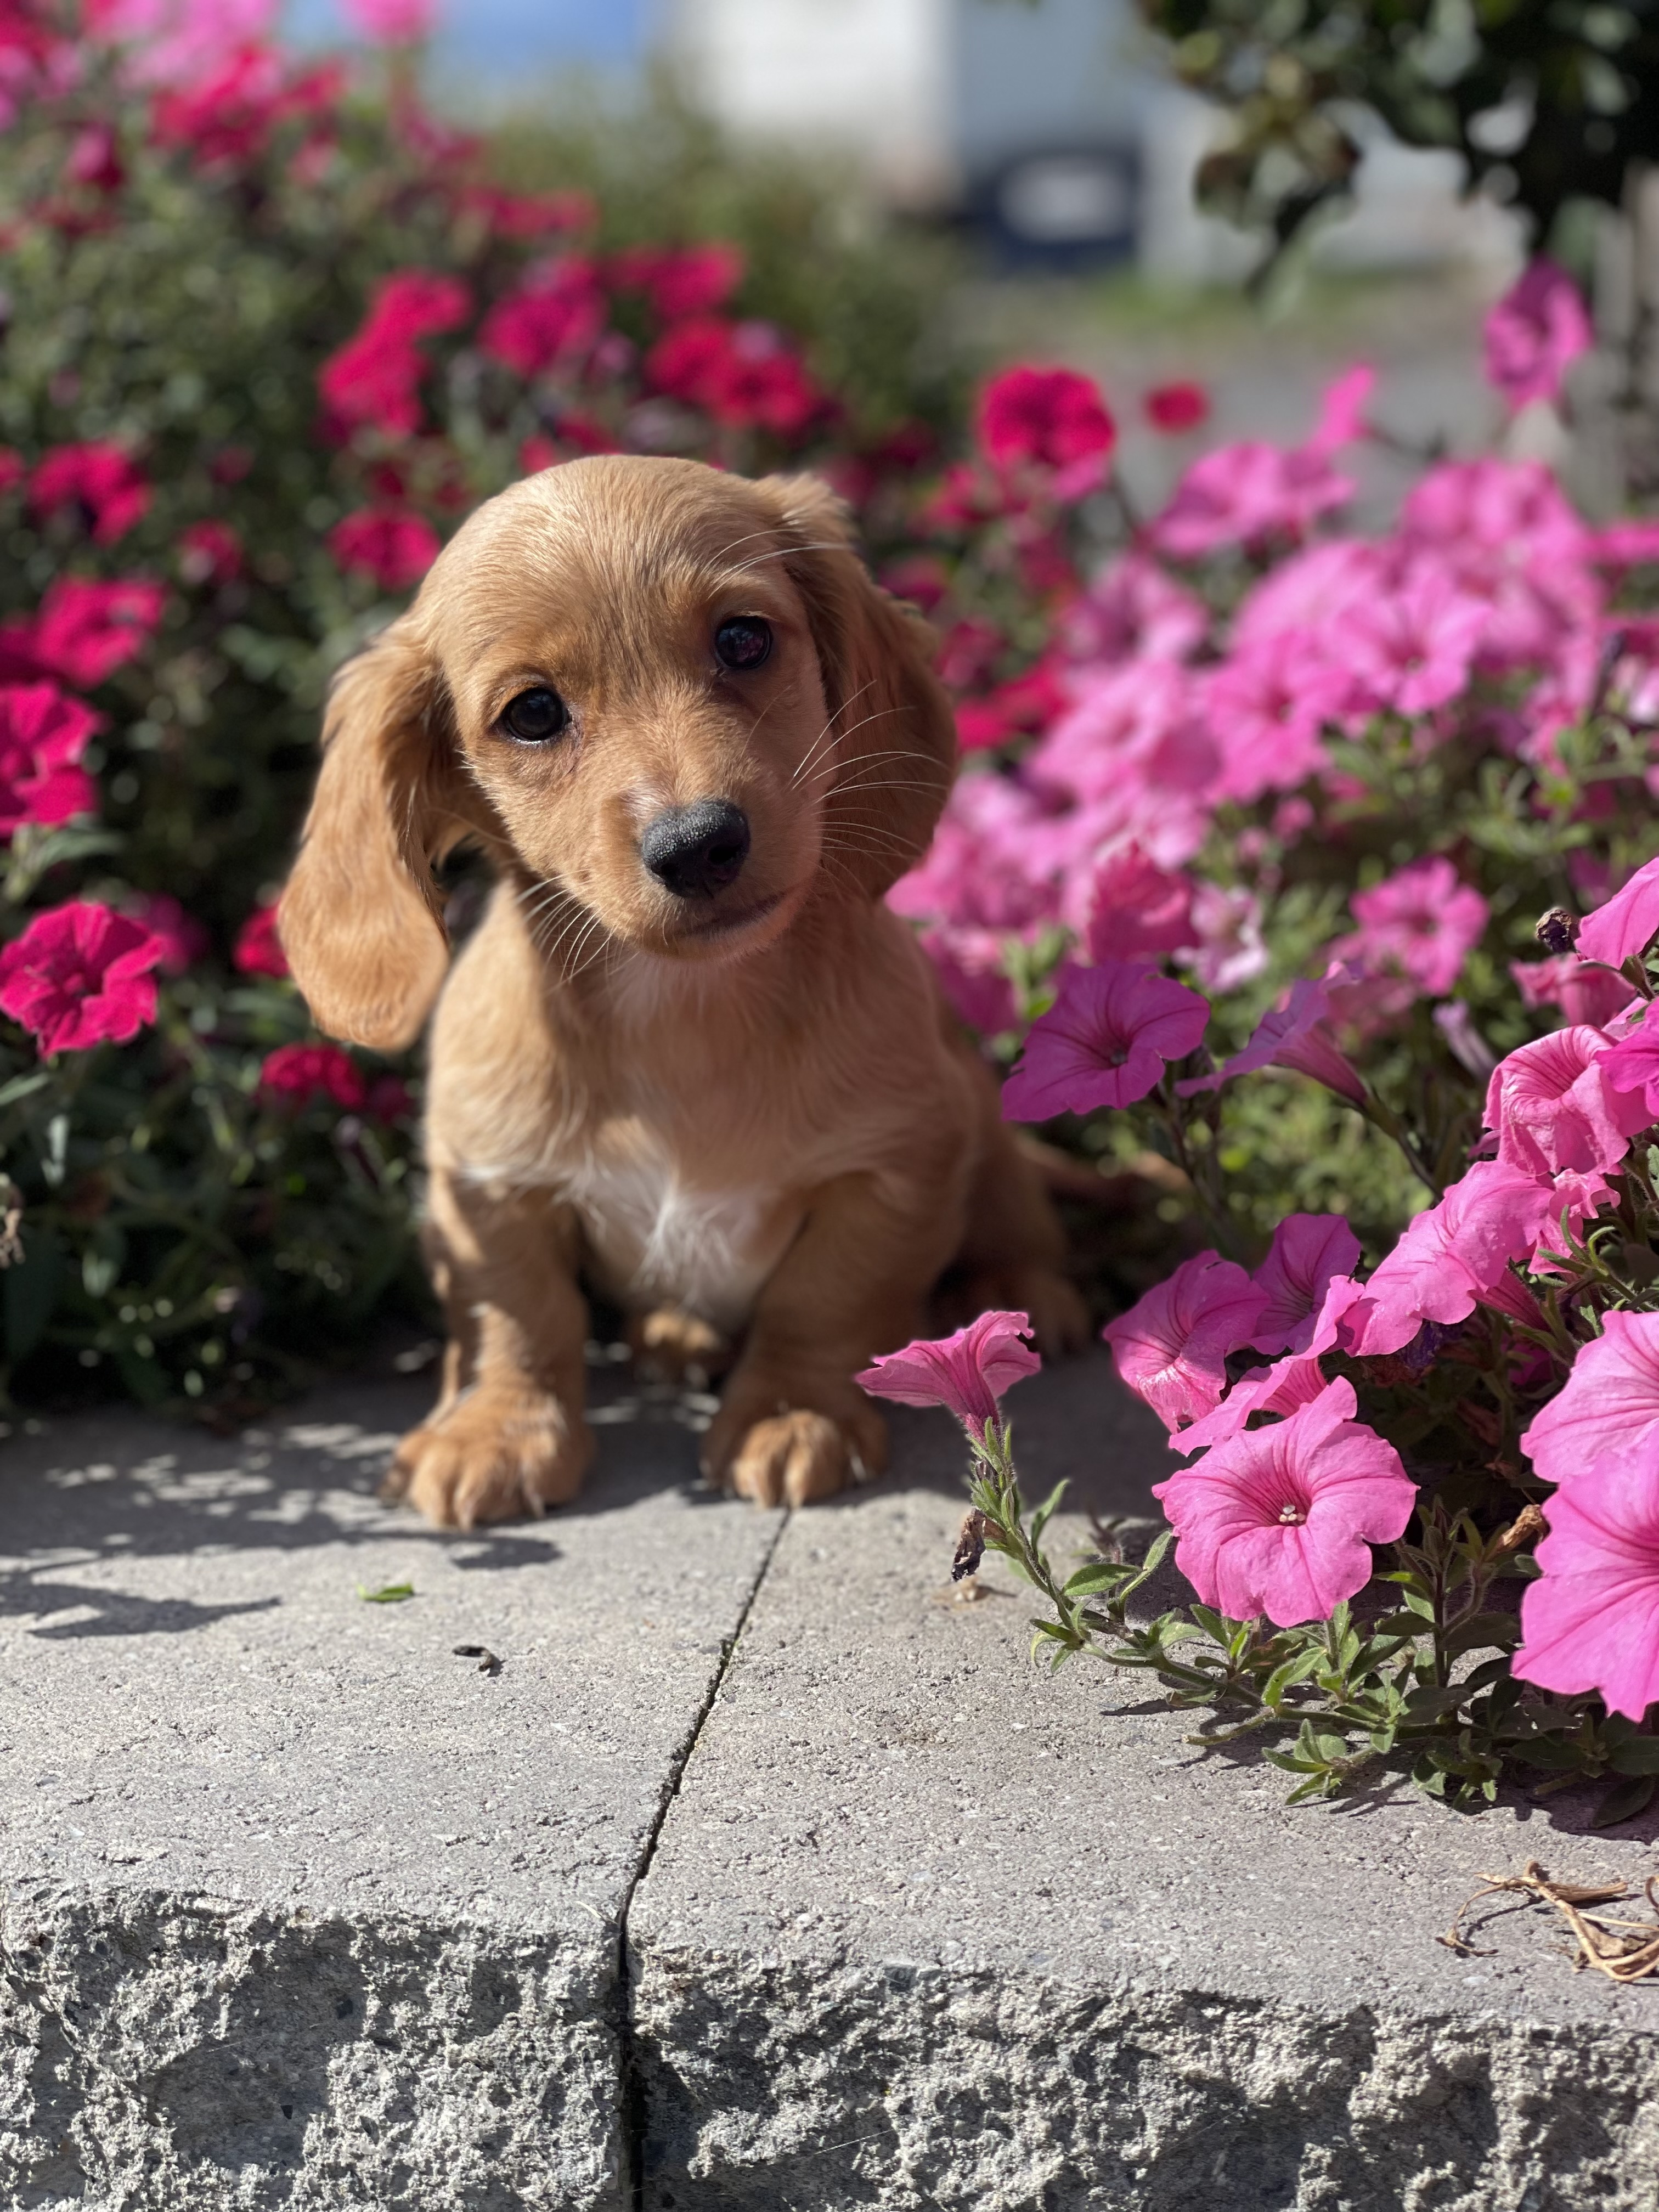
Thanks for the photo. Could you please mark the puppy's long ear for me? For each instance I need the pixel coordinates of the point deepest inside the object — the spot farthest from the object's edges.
(895, 742)
(360, 918)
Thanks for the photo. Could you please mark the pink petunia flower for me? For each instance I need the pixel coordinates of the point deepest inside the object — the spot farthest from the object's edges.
(1591, 1620)
(1631, 1066)
(1047, 418)
(1552, 1106)
(43, 734)
(971, 973)
(99, 481)
(1412, 648)
(1230, 947)
(1104, 1042)
(1421, 921)
(1609, 1405)
(1252, 494)
(1268, 705)
(1307, 1251)
(967, 1373)
(1137, 908)
(1134, 610)
(296, 1074)
(1293, 1036)
(1281, 1520)
(1294, 1381)
(79, 976)
(1626, 924)
(1534, 334)
(1450, 1258)
(257, 949)
(1587, 994)
(1171, 1346)
(392, 545)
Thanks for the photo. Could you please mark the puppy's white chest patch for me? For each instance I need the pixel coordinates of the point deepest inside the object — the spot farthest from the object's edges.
(660, 1242)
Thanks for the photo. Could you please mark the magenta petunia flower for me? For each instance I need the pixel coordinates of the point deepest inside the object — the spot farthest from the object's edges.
(1103, 1042)
(966, 1373)
(43, 734)
(1609, 1405)
(1295, 1380)
(257, 949)
(393, 545)
(1047, 418)
(1137, 908)
(1171, 1346)
(295, 1074)
(1281, 1520)
(1174, 409)
(1591, 1620)
(1626, 924)
(1584, 992)
(1552, 1106)
(1421, 921)
(1534, 334)
(1294, 1035)
(79, 976)
(1451, 1258)
(98, 482)
(1307, 1251)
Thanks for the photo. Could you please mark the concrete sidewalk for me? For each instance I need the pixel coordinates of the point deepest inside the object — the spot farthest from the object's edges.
(302, 1910)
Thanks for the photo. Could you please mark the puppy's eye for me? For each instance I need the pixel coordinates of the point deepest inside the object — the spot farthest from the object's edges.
(743, 642)
(535, 716)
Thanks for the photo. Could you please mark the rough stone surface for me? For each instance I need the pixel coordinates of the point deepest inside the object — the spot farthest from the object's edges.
(299, 1908)
(927, 1927)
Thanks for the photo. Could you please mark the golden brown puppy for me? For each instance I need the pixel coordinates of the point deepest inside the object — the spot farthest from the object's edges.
(688, 1055)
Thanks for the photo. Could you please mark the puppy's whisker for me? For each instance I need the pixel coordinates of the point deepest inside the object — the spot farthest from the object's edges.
(824, 737)
(862, 760)
(784, 552)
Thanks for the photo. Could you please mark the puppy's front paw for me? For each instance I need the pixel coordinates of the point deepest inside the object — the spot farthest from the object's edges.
(670, 1346)
(491, 1457)
(796, 1455)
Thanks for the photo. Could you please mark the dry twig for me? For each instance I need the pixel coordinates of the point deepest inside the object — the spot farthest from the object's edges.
(1622, 1950)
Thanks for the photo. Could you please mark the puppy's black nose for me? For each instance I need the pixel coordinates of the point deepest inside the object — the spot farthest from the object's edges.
(696, 851)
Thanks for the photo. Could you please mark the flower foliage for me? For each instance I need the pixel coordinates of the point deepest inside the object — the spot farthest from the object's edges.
(1261, 873)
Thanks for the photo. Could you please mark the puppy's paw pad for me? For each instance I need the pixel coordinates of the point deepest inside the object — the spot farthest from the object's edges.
(490, 1459)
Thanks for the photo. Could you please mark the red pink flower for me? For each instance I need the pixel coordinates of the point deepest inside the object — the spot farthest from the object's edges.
(967, 1373)
(296, 1074)
(84, 631)
(1281, 1520)
(209, 553)
(79, 976)
(392, 22)
(1104, 1041)
(555, 317)
(258, 949)
(375, 378)
(393, 545)
(680, 281)
(1050, 419)
(1174, 409)
(98, 482)
(43, 734)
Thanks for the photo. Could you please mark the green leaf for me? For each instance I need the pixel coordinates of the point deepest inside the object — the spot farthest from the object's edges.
(1098, 1575)
(1482, 1631)
(1624, 1800)
(1285, 1676)
(1045, 1513)
(387, 1594)
(1640, 1755)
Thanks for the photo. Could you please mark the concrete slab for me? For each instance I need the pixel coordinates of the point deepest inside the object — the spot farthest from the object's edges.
(926, 1927)
(298, 1909)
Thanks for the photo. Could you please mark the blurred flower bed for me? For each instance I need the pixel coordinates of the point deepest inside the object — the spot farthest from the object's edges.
(1302, 881)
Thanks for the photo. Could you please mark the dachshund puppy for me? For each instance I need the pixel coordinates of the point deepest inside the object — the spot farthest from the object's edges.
(688, 1055)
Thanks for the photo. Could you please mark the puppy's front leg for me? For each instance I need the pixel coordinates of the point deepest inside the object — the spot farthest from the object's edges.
(508, 1435)
(793, 1424)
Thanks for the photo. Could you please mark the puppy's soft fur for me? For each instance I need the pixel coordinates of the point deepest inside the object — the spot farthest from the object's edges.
(743, 1114)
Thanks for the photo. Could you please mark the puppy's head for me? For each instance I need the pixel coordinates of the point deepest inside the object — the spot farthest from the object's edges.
(670, 702)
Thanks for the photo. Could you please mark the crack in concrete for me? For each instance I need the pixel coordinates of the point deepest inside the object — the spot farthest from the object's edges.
(631, 2079)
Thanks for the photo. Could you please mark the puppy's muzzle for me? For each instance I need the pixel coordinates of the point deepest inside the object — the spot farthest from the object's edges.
(697, 850)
